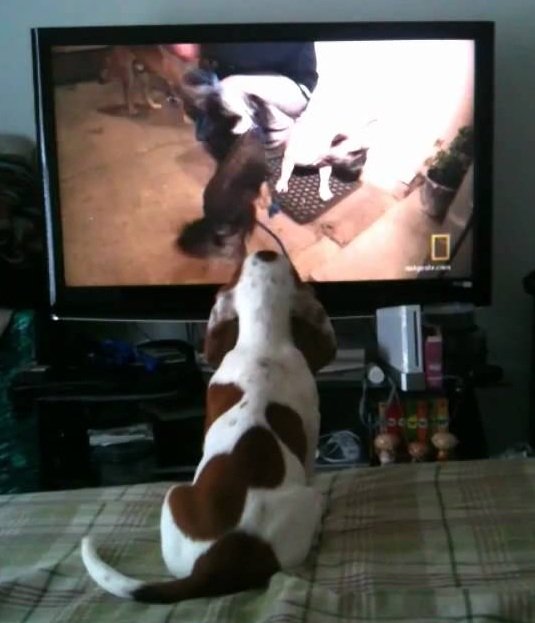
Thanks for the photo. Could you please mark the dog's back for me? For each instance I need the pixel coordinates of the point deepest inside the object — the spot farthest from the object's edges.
(229, 202)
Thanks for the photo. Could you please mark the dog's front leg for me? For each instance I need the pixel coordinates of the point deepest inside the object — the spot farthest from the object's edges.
(325, 175)
(287, 168)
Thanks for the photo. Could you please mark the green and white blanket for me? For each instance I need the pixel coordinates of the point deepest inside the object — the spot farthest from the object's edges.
(406, 543)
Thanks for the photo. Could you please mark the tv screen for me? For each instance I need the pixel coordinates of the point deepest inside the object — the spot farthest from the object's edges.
(362, 151)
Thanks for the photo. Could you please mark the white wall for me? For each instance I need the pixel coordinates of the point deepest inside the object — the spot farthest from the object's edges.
(375, 82)
(508, 320)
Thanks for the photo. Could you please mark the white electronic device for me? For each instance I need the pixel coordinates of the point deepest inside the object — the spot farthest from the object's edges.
(399, 342)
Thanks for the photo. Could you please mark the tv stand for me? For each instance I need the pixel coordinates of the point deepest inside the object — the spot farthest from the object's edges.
(68, 403)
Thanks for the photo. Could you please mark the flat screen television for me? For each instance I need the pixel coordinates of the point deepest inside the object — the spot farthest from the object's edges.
(399, 114)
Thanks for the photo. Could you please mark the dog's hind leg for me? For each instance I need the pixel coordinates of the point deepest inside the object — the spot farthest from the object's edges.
(127, 81)
(146, 93)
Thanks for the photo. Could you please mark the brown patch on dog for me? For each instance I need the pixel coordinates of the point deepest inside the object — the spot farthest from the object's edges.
(219, 399)
(236, 562)
(288, 426)
(266, 255)
(317, 346)
(220, 340)
(214, 504)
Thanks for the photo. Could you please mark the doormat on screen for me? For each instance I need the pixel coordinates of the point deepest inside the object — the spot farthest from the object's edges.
(302, 202)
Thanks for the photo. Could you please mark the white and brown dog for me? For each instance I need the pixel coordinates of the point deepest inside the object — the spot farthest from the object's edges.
(250, 510)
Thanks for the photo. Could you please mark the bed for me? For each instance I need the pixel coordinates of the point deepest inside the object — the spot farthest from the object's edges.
(404, 543)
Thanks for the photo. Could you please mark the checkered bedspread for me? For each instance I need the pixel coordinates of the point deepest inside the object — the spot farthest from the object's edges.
(408, 543)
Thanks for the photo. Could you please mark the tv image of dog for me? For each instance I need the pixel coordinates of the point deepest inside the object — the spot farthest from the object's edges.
(250, 510)
(134, 66)
(321, 141)
(231, 199)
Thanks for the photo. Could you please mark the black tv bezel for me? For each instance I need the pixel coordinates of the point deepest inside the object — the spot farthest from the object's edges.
(193, 302)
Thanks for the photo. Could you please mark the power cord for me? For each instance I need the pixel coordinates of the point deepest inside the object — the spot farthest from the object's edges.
(339, 447)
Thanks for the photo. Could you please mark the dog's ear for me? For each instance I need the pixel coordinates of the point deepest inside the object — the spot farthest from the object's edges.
(312, 330)
(339, 138)
(260, 111)
(223, 326)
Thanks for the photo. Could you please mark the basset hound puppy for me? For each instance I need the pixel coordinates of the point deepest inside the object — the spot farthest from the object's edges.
(250, 510)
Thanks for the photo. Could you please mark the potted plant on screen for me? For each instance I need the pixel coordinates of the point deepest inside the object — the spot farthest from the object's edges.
(446, 172)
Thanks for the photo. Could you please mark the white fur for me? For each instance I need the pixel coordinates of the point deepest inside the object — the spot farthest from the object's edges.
(268, 367)
(105, 576)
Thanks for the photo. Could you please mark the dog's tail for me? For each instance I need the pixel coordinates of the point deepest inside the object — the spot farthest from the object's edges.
(235, 563)
(204, 238)
(105, 576)
(121, 585)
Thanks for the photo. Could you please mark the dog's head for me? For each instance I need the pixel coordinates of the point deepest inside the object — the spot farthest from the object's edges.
(223, 114)
(349, 151)
(266, 284)
(347, 154)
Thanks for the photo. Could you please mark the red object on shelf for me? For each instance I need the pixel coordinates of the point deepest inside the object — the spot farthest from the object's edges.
(433, 361)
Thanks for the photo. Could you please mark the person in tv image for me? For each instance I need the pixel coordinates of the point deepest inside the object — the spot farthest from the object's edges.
(280, 75)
